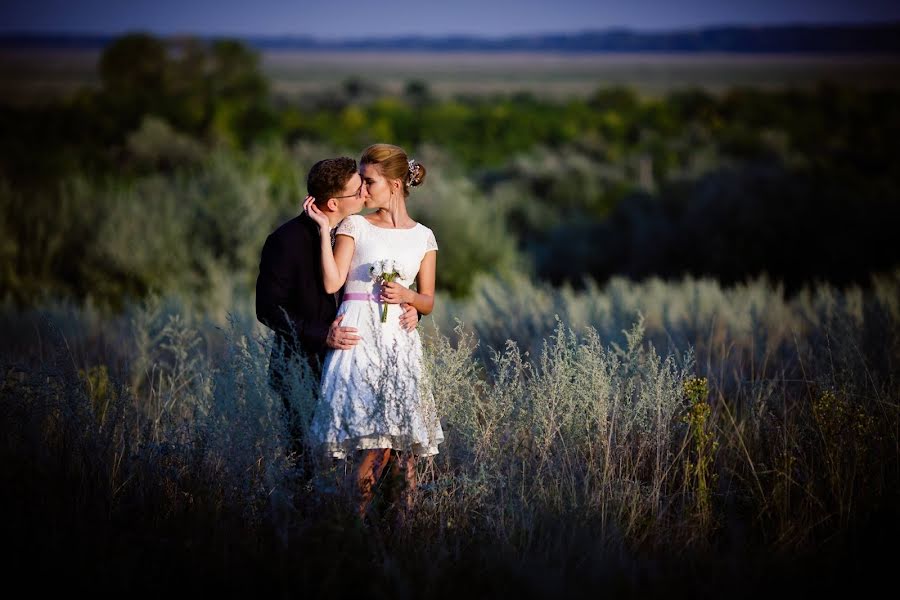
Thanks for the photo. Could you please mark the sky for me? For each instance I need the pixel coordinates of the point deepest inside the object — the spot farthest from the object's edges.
(354, 19)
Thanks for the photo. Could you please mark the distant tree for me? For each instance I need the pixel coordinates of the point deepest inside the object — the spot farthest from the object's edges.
(197, 88)
(356, 90)
(239, 94)
(618, 99)
(190, 101)
(417, 93)
(134, 73)
(235, 73)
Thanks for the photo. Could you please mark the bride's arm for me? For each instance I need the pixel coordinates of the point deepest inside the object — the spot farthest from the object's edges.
(336, 261)
(423, 299)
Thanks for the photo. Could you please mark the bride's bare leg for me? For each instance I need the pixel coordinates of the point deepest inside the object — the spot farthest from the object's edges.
(371, 466)
(406, 464)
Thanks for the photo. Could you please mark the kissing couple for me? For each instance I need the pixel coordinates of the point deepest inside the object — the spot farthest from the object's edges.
(345, 291)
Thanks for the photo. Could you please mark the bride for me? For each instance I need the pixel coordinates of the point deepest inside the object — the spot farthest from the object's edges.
(374, 397)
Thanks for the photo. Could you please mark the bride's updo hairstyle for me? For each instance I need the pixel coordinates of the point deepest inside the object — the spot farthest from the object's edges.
(394, 164)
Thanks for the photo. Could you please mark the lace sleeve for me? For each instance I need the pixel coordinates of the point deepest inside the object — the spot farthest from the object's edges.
(430, 242)
(348, 226)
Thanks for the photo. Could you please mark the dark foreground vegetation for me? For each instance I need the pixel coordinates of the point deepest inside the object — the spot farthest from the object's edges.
(146, 452)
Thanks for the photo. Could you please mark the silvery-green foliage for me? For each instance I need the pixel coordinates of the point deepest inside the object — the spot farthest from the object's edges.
(219, 407)
(479, 428)
(170, 369)
(296, 382)
(587, 411)
(654, 385)
(852, 342)
(157, 144)
(245, 432)
(555, 403)
(519, 308)
(231, 211)
(568, 431)
(144, 230)
(178, 379)
(573, 181)
(744, 332)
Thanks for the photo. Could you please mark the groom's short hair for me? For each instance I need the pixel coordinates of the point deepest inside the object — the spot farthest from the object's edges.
(328, 177)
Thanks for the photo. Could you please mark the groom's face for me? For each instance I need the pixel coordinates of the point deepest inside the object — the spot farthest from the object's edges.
(352, 197)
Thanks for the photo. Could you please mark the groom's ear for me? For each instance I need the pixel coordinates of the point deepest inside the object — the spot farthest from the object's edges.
(332, 205)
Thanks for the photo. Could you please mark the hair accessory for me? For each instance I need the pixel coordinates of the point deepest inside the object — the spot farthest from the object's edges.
(413, 171)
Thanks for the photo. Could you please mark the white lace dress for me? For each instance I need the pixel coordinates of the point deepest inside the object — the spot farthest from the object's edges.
(375, 395)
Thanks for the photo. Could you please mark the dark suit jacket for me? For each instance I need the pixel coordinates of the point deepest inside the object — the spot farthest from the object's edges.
(290, 278)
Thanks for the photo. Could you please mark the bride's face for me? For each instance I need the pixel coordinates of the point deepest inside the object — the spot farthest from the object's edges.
(378, 186)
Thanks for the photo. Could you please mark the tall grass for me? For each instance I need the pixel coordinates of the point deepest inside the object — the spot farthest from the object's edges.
(635, 435)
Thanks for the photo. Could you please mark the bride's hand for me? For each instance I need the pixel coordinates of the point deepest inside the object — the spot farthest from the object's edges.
(321, 219)
(395, 293)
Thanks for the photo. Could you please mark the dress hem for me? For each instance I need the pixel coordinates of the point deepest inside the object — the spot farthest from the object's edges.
(372, 442)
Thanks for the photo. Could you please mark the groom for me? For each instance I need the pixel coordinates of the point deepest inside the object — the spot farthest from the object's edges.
(290, 291)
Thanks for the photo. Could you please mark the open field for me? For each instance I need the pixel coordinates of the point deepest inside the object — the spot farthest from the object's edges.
(30, 75)
(568, 74)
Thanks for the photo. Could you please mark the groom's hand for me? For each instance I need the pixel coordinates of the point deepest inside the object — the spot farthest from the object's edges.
(341, 338)
(409, 319)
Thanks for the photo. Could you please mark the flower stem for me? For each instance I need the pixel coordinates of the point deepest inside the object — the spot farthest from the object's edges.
(388, 277)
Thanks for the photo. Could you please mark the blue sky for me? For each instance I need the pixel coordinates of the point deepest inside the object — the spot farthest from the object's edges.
(337, 19)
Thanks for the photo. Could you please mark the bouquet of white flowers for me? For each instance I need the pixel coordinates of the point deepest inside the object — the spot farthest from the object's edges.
(385, 271)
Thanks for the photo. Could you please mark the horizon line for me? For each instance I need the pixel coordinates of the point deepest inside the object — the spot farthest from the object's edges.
(471, 36)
